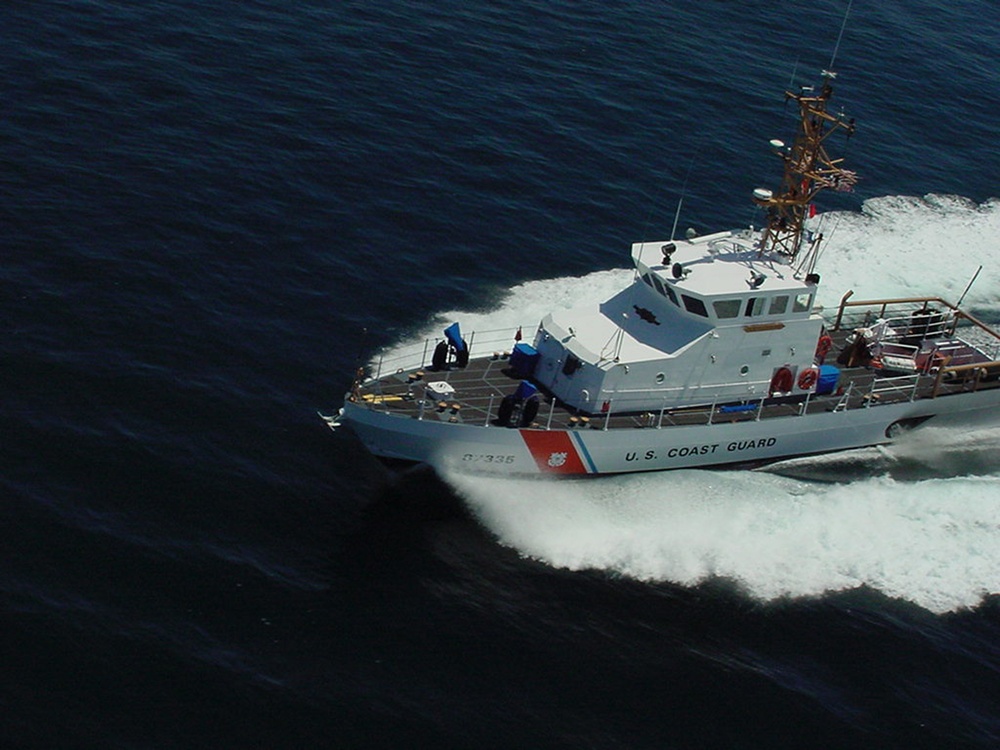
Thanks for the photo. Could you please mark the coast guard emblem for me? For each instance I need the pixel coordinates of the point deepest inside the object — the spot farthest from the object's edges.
(556, 452)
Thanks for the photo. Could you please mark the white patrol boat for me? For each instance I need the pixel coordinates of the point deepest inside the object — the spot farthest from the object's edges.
(715, 354)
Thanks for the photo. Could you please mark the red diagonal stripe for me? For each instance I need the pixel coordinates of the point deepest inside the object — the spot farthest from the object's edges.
(553, 451)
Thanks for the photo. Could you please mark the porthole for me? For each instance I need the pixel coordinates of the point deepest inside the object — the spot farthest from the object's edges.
(744, 370)
(660, 377)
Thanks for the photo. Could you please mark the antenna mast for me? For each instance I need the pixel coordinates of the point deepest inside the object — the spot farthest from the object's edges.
(809, 169)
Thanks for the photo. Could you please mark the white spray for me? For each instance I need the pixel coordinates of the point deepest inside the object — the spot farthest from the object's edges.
(933, 541)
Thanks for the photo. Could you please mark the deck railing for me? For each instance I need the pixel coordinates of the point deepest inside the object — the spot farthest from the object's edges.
(880, 390)
(904, 387)
(901, 309)
(899, 315)
(419, 354)
(970, 375)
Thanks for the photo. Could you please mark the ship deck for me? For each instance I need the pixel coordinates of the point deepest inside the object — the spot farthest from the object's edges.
(481, 385)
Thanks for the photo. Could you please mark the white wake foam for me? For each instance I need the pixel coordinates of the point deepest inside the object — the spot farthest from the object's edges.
(900, 246)
(932, 541)
(935, 543)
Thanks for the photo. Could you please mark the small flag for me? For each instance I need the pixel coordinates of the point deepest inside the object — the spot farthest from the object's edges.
(518, 336)
(812, 210)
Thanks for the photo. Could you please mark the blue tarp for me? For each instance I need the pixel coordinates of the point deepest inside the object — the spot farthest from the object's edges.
(733, 408)
(523, 360)
(454, 336)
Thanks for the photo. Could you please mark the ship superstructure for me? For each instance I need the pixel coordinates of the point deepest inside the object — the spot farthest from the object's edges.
(710, 319)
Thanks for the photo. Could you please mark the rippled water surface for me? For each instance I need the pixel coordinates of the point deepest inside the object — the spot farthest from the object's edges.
(212, 212)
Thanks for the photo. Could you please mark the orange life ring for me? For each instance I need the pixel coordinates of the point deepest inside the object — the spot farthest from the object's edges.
(782, 380)
(808, 378)
(823, 346)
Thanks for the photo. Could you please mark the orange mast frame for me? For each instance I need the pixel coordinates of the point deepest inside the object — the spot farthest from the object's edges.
(809, 169)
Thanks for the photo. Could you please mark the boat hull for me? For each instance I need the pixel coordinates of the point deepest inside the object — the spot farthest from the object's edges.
(594, 451)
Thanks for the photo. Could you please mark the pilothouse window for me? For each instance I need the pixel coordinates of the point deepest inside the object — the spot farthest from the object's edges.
(726, 308)
(778, 305)
(694, 305)
(756, 306)
(659, 286)
(803, 303)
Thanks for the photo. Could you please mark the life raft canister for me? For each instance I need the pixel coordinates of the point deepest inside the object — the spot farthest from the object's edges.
(808, 378)
(781, 381)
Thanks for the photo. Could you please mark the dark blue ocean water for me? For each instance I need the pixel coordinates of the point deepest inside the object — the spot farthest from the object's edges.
(203, 205)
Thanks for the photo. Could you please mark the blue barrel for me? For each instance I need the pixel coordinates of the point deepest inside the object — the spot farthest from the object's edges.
(829, 376)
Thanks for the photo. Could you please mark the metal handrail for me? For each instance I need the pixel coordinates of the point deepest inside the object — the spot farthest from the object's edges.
(416, 355)
(884, 304)
(898, 384)
(978, 369)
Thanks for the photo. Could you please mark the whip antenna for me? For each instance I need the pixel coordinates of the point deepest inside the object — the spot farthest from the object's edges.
(680, 202)
(840, 36)
(974, 277)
